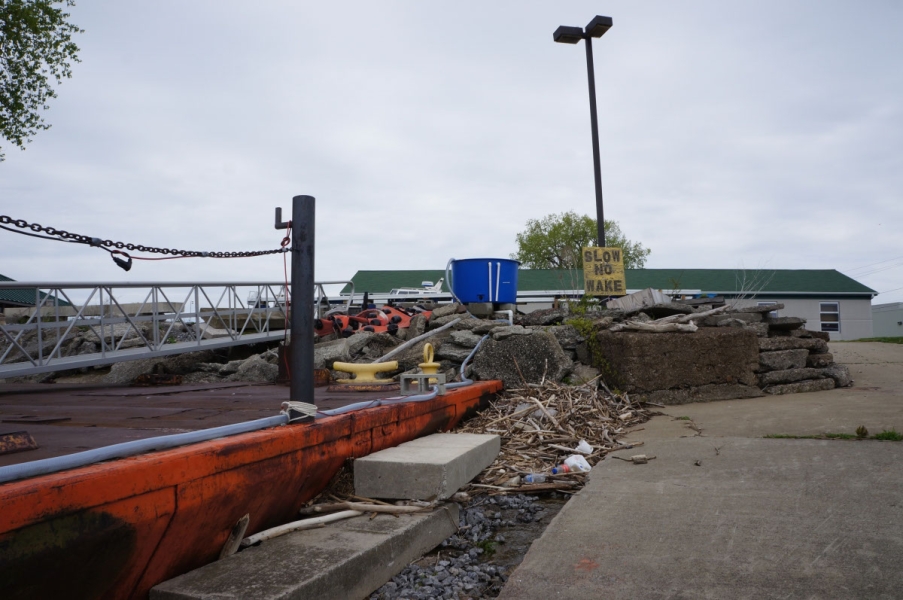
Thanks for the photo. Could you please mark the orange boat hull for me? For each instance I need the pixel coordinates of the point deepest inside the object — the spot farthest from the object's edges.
(116, 529)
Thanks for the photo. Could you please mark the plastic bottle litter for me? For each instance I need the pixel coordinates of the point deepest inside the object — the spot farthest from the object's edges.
(534, 478)
(584, 448)
(572, 464)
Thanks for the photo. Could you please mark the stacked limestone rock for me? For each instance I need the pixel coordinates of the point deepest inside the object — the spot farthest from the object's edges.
(791, 358)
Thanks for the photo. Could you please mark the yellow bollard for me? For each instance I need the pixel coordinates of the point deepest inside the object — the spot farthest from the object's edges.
(365, 373)
(428, 366)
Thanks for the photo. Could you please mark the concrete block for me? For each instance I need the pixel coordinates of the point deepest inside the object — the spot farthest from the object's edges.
(435, 466)
(645, 362)
(780, 360)
(346, 559)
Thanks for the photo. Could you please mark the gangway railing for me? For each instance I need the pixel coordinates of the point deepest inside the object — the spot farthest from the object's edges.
(131, 321)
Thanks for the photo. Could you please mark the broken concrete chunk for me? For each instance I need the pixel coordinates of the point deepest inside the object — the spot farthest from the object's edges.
(819, 361)
(703, 393)
(453, 352)
(229, 368)
(522, 359)
(567, 335)
(811, 385)
(505, 332)
(731, 323)
(785, 323)
(643, 298)
(256, 369)
(659, 311)
(549, 316)
(717, 320)
(358, 341)
(840, 374)
(789, 376)
(327, 353)
(752, 308)
(813, 345)
(467, 339)
(447, 309)
(781, 360)
(760, 329)
(467, 323)
(417, 326)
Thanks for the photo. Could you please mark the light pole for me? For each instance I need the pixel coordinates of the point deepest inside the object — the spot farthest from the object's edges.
(571, 35)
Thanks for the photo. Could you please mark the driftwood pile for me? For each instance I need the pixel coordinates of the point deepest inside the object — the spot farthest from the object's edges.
(542, 424)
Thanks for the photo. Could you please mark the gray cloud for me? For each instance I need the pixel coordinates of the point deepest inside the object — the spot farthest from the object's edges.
(763, 134)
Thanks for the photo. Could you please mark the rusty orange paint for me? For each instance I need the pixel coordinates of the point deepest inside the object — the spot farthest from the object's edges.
(130, 524)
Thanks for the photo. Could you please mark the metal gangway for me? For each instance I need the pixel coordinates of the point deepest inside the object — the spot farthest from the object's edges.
(134, 321)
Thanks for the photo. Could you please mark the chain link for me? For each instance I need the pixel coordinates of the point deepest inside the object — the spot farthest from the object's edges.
(83, 239)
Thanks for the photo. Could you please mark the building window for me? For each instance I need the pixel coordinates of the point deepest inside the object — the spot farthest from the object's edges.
(773, 314)
(829, 314)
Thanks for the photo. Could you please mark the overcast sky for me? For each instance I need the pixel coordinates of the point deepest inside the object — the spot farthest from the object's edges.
(757, 135)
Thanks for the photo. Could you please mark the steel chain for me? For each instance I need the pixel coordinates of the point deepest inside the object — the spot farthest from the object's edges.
(83, 239)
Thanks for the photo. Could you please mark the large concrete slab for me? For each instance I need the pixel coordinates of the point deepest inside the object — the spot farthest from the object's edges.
(344, 560)
(757, 518)
(431, 467)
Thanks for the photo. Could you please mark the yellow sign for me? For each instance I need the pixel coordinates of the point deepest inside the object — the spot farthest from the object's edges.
(603, 272)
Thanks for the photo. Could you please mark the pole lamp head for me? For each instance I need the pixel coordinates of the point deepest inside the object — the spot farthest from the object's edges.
(567, 35)
(598, 26)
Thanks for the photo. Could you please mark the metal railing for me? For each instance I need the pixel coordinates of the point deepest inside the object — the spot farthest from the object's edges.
(131, 321)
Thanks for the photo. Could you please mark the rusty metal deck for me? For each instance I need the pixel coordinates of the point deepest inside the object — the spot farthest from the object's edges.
(69, 418)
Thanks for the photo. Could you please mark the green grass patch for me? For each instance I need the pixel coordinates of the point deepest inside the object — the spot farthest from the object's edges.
(891, 435)
(886, 340)
(682, 418)
(488, 547)
(887, 435)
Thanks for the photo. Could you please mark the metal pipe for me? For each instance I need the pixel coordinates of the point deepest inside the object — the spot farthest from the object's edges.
(594, 122)
(302, 311)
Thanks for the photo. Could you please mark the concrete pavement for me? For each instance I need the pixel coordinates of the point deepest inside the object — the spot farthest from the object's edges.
(722, 512)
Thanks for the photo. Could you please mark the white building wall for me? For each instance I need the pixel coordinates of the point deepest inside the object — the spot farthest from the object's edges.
(855, 314)
(887, 319)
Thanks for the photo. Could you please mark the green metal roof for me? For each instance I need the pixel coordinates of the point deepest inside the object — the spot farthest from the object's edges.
(709, 281)
(22, 297)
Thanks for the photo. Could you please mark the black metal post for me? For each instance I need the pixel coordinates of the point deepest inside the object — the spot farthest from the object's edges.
(302, 294)
(594, 122)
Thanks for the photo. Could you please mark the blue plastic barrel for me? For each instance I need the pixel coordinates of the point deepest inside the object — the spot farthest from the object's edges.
(485, 280)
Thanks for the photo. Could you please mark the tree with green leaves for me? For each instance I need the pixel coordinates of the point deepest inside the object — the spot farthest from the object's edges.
(556, 242)
(35, 47)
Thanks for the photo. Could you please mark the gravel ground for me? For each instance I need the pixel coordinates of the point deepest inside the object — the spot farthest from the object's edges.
(493, 535)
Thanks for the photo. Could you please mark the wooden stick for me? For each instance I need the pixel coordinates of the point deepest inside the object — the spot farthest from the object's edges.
(275, 532)
(235, 536)
(511, 416)
(548, 414)
(317, 509)
(491, 487)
